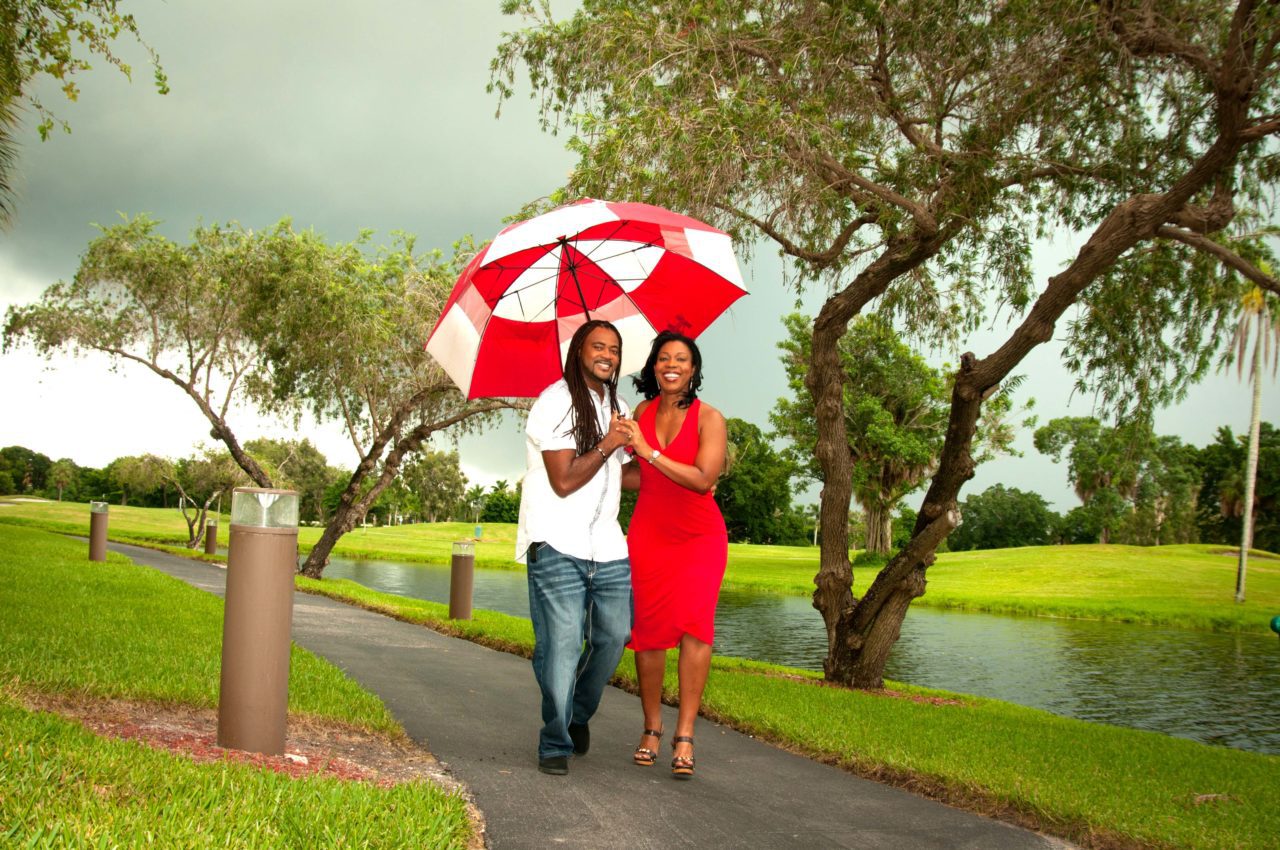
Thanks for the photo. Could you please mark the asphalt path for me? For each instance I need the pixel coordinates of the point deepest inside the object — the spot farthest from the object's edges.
(477, 710)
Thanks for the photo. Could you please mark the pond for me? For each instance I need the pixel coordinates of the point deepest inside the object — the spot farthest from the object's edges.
(1210, 687)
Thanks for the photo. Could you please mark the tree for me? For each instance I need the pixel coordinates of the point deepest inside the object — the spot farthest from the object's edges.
(341, 334)
(45, 39)
(61, 475)
(1165, 498)
(200, 480)
(436, 479)
(1100, 460)
(501, 504)
(754, 494)
(139, 475)
(297, 465)
(279, 318)
(1221, 499)
(909, 153)
(177, 310)
(27, 469)
(895, 406)
(1000, 518)
(1137, 487)
(1259, 323)
(473, 502)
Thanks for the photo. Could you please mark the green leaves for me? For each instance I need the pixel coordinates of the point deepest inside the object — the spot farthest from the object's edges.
(895, 408)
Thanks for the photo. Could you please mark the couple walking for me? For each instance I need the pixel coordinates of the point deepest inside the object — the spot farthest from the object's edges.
(583, 449)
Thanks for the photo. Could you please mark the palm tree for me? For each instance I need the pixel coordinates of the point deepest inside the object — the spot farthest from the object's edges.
(61, 474)
(1259, 324)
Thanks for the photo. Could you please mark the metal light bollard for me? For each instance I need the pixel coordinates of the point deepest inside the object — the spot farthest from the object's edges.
(97, 531)
(262, 557)
(462, 570)
(211, 537)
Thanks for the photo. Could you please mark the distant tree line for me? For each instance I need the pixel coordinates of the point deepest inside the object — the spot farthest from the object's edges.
(1135, 488)
(430, 488)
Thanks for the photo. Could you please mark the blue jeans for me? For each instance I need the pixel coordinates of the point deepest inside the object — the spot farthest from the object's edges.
(581, 612)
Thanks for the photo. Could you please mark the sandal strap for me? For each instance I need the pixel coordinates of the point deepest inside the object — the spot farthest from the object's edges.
(682, 739)
(653, 733)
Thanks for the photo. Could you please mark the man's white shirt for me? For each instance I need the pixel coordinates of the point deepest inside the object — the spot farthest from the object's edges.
(583, 524)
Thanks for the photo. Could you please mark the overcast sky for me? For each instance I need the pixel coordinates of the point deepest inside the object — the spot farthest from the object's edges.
(345, 116)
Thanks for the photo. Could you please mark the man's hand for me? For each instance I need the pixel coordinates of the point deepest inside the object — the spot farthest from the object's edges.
(619, 434)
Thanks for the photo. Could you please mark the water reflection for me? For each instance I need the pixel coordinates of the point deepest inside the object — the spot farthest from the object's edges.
(1216, 688)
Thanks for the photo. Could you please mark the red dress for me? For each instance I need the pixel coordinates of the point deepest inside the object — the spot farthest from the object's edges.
(678, 547)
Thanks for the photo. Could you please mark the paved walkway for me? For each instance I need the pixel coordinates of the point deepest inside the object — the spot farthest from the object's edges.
(477, 710)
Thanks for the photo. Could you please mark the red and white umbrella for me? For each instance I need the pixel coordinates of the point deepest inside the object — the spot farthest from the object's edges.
(506, 327)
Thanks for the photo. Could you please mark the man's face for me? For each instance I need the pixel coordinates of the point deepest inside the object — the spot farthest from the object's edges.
(601, 355)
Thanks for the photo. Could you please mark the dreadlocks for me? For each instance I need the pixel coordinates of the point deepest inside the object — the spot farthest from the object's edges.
(586, 425)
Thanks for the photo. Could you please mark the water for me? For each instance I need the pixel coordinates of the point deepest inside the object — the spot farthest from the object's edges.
(1210, 687)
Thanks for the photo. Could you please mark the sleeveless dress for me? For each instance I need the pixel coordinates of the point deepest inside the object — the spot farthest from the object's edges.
(678, 547)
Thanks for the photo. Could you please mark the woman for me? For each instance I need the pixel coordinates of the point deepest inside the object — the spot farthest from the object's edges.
(677, 540)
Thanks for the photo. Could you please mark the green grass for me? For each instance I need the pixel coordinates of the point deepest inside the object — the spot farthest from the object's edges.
(1181, 586)
(1083, 781)
(62, 786)
(113, 630)
(1093, 784)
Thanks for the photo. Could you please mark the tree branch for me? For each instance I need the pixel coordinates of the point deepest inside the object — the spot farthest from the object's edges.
(1228, 257)
(819, 258)
(1147, 37)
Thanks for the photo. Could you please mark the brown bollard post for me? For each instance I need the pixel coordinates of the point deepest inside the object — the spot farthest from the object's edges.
(211, 537)
(462, 570)
(97, 531)
(262, 557)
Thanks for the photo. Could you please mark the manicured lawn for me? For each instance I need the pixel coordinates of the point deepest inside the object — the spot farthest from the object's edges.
(114, 630)
(1087, 782)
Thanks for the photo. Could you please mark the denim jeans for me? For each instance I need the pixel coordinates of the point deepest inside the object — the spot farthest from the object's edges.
(581, 612)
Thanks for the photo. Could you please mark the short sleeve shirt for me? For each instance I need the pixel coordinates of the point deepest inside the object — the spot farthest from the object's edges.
(584, 523)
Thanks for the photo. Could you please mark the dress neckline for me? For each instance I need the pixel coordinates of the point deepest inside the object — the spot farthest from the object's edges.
(653, 423)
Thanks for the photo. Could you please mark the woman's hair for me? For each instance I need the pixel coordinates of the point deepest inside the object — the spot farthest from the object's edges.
(586, 426)
(646, 383)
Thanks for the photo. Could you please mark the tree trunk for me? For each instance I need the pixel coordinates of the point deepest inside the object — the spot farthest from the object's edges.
(1251, 465)
(879, 529)
(833, 596)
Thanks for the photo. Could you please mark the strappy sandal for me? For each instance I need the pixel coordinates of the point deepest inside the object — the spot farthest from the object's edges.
(682, 766)
(644, 756)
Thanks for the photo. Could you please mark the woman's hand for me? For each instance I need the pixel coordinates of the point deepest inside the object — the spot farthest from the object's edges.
(619, 433)
(638, 442)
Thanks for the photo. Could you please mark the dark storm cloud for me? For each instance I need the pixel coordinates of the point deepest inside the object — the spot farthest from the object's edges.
(341, 116)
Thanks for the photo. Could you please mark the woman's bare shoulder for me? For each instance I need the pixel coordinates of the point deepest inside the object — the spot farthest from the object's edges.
(708, 415)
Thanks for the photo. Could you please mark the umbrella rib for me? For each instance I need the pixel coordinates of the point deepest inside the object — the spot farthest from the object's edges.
(554, 273)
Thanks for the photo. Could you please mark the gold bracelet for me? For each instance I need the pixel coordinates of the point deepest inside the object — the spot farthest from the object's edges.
(602, 454)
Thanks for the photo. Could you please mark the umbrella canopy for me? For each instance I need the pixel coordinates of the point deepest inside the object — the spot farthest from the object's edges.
(506, 327)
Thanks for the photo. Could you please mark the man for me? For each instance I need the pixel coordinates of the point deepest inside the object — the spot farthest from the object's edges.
(579, 576)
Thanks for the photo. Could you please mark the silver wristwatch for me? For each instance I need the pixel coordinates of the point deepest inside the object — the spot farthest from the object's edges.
(654, 457)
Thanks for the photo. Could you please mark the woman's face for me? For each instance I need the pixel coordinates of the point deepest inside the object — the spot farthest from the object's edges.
(674, 367)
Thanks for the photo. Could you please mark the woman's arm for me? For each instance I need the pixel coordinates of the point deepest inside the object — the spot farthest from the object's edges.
(700, 476)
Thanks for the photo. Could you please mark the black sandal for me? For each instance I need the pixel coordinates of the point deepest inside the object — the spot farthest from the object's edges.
(644, 756)
(682, 766)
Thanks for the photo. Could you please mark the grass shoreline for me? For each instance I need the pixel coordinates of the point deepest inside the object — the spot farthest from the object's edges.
(1186, 587)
